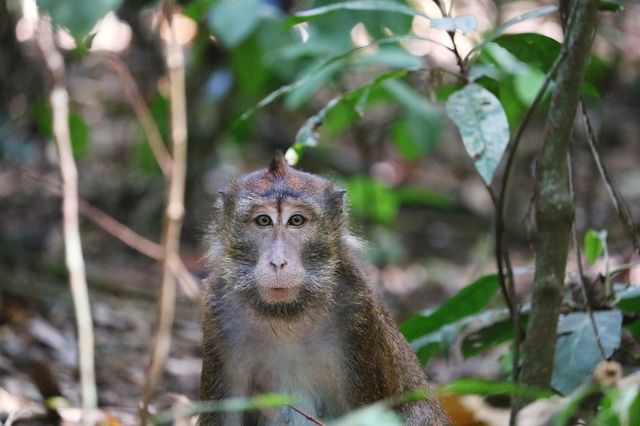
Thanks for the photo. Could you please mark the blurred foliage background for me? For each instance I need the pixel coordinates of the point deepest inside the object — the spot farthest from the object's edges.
(371, 116)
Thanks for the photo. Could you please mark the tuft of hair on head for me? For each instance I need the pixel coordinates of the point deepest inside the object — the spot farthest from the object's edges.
(278, 165)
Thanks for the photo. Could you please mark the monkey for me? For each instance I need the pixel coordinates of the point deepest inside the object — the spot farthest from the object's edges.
(287, 307)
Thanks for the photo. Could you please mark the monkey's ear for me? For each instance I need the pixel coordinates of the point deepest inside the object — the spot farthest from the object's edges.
(278, 165)
(219, 202)
(336, 199)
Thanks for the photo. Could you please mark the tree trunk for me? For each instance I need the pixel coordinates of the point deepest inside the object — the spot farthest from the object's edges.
(554, 203)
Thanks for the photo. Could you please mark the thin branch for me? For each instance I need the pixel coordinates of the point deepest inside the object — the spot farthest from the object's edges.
(126, 235)
(583, 281)
(307, 416)
(59, 100)
(145, 118)
(618, 202)
(173, 215)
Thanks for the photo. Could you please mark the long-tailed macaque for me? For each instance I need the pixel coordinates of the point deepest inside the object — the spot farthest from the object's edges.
(288, 308)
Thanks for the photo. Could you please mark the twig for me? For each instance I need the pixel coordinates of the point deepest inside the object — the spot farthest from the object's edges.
(125, 234)
(307, 416)
(145, 118)
(618, 202)
(583, 281)
(173, 215)
(59, 100)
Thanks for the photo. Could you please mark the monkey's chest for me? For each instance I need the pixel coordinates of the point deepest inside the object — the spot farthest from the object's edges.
(311, 369)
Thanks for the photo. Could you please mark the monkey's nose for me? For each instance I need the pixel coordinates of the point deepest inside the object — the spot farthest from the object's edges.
(278, 264)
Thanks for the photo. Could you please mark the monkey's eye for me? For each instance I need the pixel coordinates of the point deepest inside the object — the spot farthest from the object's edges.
(296, 220)
(263, 220)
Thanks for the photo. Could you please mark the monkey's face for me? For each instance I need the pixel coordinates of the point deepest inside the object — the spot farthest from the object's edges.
(280, 240)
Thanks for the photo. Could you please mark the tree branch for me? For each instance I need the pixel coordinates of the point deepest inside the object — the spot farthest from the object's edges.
(59, 100)
(554, 204)
(174, 214)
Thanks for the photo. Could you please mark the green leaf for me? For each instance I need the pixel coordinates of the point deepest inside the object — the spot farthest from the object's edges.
(620, 407)
(234, 20)
(78, 16)
(307, 134)
(487, 338)
(533, 49)
(484, 387)
(372, 199)
(375, 5)
(371, 415)
(427, 351)
(610, 6)
(417, 195)
(78, 129)
(528, 84)
(468, 301)
(231, 404)
(536, 13)
(629, 300)
(79, 132)
(594, 244)
(577, 351)
(483, 126)
(314, 70)
(197, 9)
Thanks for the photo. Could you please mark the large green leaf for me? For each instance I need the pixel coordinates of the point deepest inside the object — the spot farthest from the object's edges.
(533, 49)
(577, 351)
(468, 301)
(78, 16)
(483, 125)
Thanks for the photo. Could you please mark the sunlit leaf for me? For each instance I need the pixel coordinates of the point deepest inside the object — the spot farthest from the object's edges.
(78, 16)
(483, 126)
(465, 23)
(577, 350)
(594, 244)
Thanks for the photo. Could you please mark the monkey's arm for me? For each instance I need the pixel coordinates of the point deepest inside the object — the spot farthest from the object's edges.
(383, 362)
(212, 383)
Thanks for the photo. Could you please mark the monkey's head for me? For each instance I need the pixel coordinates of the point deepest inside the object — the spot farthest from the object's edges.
(276, 238)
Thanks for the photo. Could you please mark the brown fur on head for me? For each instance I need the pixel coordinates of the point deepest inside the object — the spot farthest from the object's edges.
(275, 239)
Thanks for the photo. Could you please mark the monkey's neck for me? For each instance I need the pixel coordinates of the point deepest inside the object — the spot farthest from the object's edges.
(295, 331)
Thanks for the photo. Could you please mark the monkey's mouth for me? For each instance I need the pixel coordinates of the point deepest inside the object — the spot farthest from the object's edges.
(279, 294)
